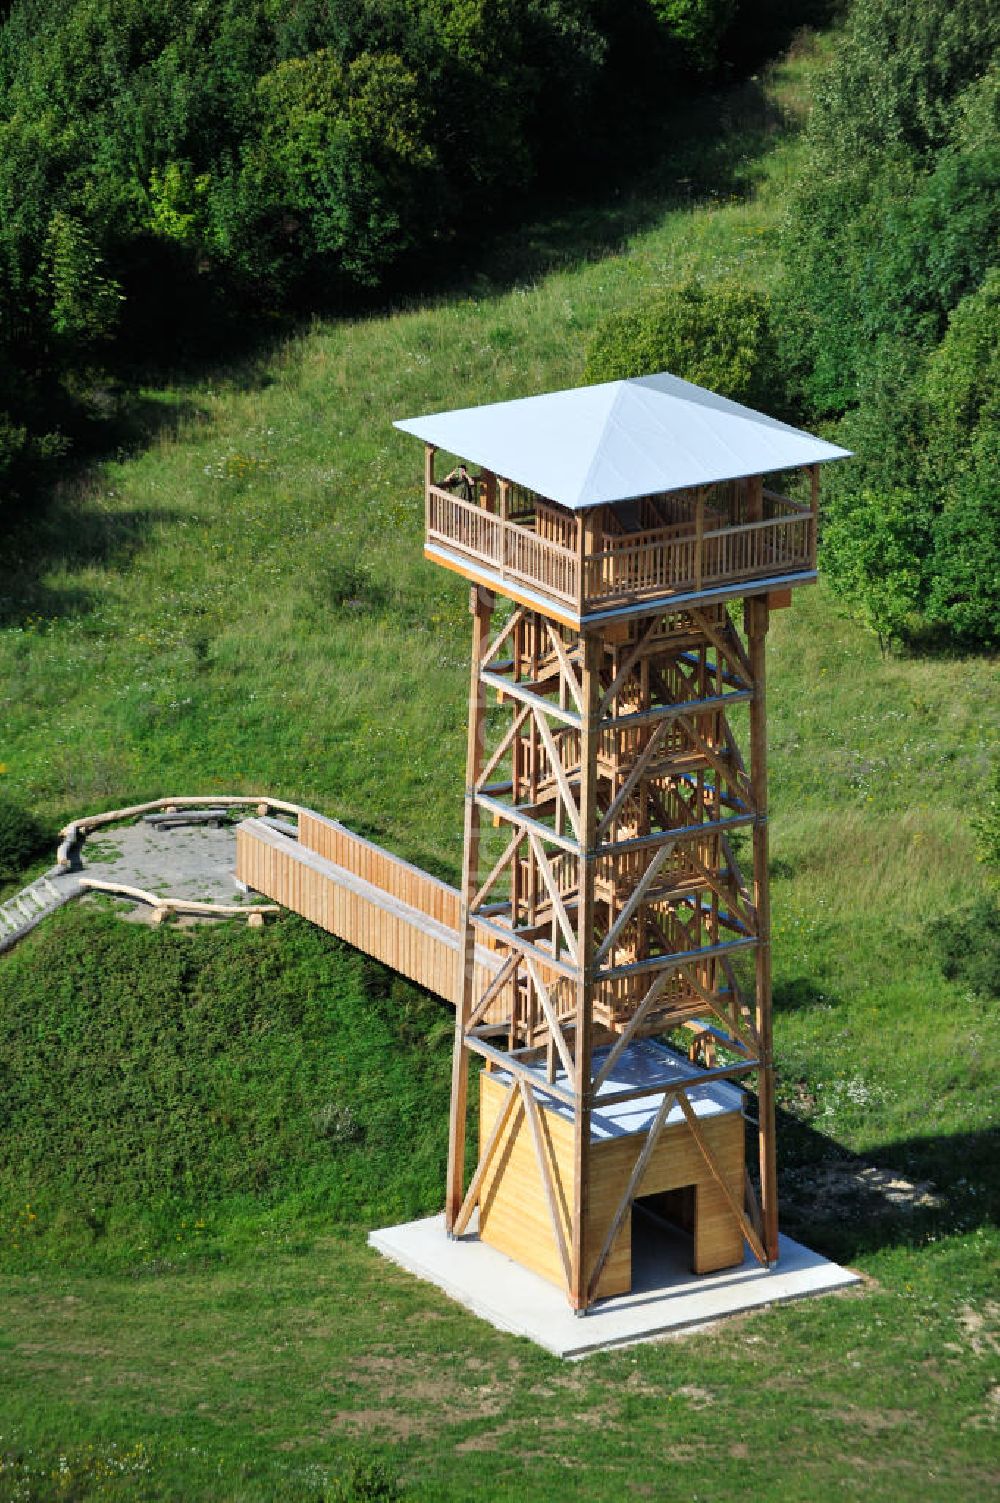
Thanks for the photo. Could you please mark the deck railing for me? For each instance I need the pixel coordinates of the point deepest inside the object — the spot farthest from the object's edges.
(649, 564)
(628, 566)
(507, 548)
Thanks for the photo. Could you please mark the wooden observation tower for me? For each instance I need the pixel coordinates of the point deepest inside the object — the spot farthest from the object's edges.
(616, 843)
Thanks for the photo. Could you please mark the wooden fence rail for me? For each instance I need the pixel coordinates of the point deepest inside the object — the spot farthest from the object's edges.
(628, 566)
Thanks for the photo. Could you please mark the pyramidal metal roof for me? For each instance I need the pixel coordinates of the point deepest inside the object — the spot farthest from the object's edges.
(592, 445)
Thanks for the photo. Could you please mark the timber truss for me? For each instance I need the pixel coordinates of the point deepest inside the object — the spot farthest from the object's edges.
(614, 898)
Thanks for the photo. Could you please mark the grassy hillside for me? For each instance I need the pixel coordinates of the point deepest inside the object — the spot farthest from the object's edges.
(201, 1125)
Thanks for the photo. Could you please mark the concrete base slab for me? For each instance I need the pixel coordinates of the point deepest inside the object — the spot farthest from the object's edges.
(666, 1296)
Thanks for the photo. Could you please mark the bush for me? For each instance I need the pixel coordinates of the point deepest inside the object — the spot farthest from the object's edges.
(717, 335)
(22, 838)
(986, 826)
(889, 309)
(873, 547)
(364, 1481)
(969, 947)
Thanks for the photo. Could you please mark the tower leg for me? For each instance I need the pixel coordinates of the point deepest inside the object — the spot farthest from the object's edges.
(580, 1256)
(757, 624)
(481, 606)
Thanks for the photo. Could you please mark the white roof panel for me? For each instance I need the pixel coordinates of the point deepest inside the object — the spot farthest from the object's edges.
(643, 1063)
(597, 444)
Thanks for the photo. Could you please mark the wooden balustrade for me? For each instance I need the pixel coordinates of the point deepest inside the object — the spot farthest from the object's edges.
(504, 547)
(628, 566)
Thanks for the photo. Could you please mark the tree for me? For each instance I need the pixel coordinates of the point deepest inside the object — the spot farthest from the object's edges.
(717, 335)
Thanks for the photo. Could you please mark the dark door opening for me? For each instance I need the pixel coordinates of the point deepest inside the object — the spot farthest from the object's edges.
(662, 1237)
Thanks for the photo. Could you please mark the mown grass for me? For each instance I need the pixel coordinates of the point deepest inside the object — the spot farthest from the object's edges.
(200, 1126)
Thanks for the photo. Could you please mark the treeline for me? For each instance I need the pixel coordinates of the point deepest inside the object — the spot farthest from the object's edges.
(162, 160)
(890, 314)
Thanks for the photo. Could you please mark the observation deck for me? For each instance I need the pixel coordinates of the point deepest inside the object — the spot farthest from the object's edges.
(604, 501)
(735, 538)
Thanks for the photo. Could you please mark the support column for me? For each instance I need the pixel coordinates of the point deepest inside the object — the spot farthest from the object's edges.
(756, 618)
(481, 604)
(580, 1254)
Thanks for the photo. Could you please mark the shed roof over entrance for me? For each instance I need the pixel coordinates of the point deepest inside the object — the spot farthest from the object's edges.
(593, 445)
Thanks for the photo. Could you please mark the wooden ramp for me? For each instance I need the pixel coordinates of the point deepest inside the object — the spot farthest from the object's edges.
(391, 910)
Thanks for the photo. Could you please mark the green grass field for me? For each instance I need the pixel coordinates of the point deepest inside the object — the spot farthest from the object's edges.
(200, 1126)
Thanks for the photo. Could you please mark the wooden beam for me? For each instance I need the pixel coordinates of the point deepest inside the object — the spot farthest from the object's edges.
(757, 624)
(559, 647)
(504, 746)
(481, 607)
(555, 895)
(504, 975)
(559, 772)
(512, 1101)
(508, 1063)
(713, 1168)
(624, 672)
(545, 1173)
(580, 1289)
(634, 1180)
(631, 1028)
(555, 1029)
(491, 880)
(635, 898)
(506, 687)
(635, 773)
(498, 641)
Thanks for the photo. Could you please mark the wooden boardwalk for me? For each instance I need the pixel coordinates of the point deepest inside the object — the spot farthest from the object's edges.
(386, 907)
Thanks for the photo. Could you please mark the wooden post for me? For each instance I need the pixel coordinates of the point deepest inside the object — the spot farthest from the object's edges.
(756, 625)
(429, 453)
(589, 738)
(581, 562)
(814, 507)
(699, 537)
(481, 606)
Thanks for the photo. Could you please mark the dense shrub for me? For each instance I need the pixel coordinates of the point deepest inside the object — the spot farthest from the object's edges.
(986, 826)
(150, 1078)
(969, 947)
(717, 335)
(889, 313)
(22, 838)
(165, 163)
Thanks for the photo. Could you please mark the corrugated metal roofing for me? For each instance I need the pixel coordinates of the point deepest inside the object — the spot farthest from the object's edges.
(597, 444)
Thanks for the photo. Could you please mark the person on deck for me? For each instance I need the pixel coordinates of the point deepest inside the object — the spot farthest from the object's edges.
(460, 481)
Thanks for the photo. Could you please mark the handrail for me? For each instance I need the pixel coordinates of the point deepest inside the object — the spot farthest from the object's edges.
(502, 545)
(70, 834)
(799, 507)
(661, 561)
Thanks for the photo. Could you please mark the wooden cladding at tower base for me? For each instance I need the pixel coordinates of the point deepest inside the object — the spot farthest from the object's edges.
(515, 1214)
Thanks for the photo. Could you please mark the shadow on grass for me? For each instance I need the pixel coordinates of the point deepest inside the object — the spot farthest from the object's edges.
(704, 150)
(69, 533)
(845, 1205)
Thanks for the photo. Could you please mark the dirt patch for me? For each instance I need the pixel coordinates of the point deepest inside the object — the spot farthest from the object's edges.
(489, 1440)
(385, 1421)
(876, 1421)
(409, 1379)
(982, 1328)
(698, 1398)
(846, 1190)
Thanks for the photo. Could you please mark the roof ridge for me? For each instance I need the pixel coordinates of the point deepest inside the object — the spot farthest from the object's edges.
(596, 451)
